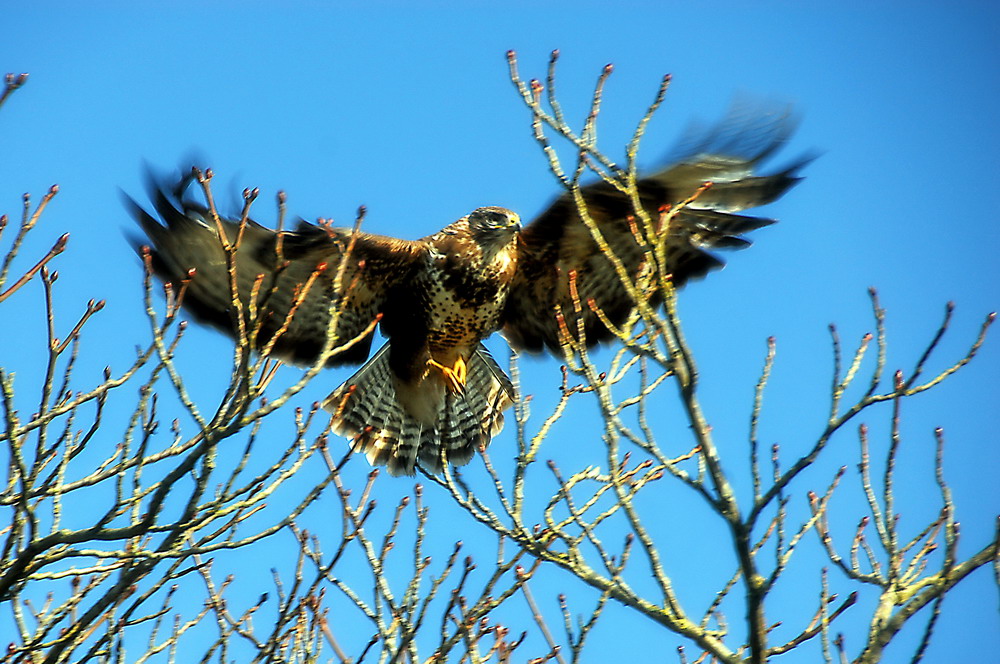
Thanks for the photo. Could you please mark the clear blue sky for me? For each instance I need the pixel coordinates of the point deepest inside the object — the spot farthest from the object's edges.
(410, 112)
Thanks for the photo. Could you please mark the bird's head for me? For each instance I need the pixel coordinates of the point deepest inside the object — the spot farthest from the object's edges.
(494, 226)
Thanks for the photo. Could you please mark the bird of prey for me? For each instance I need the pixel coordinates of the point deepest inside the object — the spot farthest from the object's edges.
(433, 394)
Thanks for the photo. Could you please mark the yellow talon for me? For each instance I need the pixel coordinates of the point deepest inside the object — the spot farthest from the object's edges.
(454, 377)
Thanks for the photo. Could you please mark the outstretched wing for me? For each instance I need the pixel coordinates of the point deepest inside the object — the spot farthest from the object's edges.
(558, 242)
(282, 263)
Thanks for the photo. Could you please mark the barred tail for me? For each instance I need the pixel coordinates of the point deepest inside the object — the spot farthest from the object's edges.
(366, 409)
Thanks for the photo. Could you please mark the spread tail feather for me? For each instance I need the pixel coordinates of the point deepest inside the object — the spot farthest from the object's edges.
(365, 408)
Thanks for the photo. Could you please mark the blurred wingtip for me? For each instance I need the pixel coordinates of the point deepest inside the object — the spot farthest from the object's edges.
(751, 130)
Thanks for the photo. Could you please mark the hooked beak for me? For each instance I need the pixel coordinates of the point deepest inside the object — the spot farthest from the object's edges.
(514, 222)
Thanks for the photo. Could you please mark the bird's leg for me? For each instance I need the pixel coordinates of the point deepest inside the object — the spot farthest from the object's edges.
(454, 377)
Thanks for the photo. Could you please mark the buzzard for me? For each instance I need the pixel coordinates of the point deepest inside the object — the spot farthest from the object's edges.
(433, 394)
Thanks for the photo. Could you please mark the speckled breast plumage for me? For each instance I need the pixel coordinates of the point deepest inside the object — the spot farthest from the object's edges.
(462, 298)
